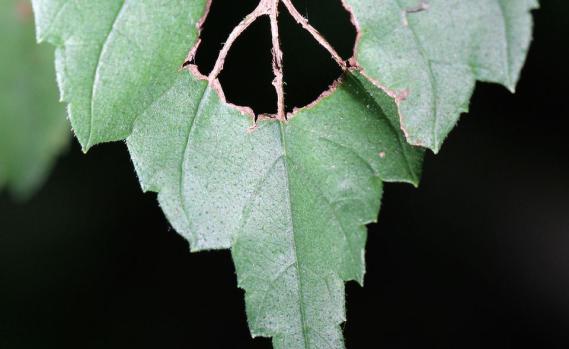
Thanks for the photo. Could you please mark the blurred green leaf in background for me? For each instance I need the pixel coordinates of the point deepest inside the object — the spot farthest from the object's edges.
(33, 128)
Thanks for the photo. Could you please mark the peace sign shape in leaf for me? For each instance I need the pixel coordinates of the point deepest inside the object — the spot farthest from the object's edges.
(290, 193)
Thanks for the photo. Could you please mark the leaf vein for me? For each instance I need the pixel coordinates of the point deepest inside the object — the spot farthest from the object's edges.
(96, 74)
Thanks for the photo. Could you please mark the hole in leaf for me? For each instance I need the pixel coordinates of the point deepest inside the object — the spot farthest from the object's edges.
(223, 16)
(247, 75)
(333, 21)
(308, 67)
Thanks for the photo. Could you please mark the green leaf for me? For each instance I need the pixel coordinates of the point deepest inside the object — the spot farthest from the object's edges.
(436, 55)
(33, 129)
(115, 58)
(289, 198)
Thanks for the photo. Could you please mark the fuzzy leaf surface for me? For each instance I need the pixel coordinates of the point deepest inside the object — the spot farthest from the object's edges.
(438, 54)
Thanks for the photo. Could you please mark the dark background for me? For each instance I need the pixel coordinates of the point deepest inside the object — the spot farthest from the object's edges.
(477, 257)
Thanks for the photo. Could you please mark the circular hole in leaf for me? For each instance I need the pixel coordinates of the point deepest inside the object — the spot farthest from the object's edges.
(247, 75)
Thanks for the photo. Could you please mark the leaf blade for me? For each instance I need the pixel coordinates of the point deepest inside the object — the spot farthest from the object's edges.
(437, 55)
(262, 215)
(123, 48)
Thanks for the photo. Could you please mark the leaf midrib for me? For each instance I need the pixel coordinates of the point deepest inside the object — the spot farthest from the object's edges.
(294, 241)
(96, 73)
(432, 80)
(196, 114)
